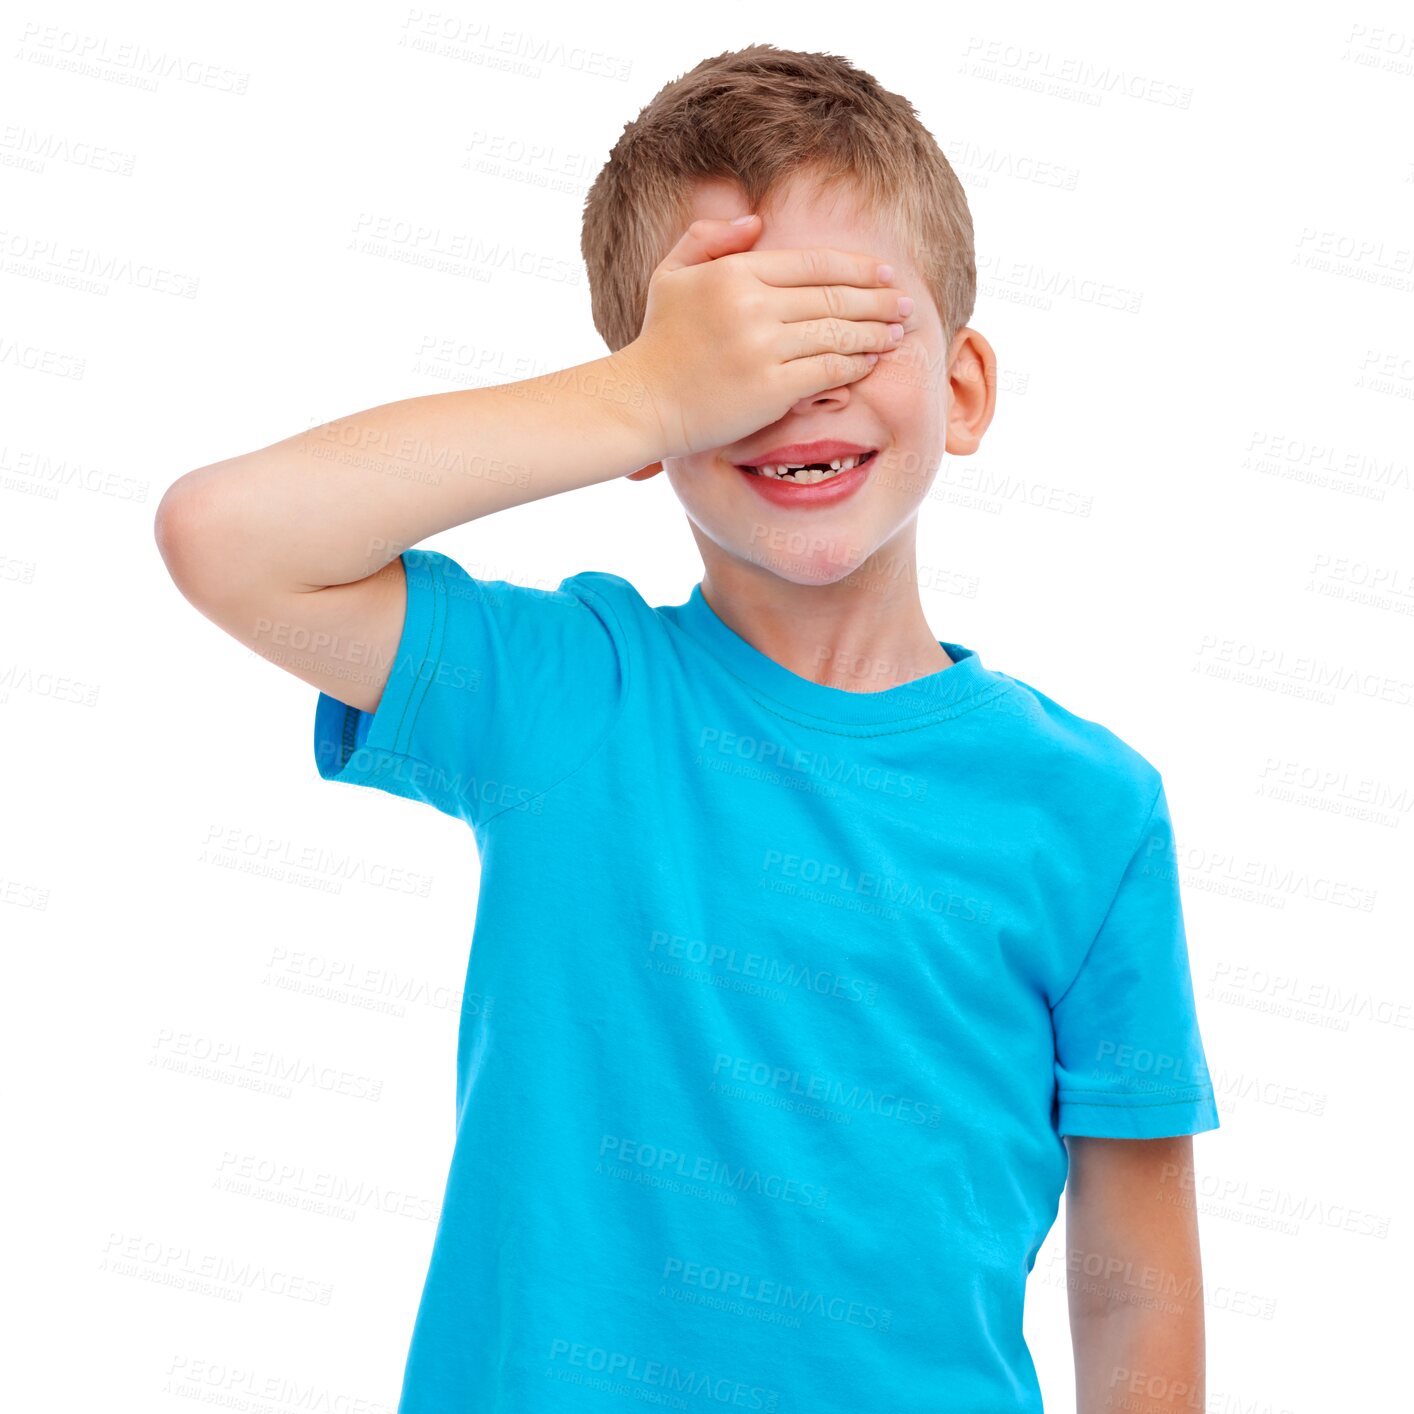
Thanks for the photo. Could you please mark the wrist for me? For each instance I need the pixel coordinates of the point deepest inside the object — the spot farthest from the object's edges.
(639, 406)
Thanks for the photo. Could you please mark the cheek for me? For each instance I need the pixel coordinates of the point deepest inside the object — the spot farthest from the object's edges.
(686, 472)
(909, 399)
(700, 481)
(904, 389)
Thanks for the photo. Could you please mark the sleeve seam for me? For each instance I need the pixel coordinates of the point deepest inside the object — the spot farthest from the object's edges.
(1114, 898)
(431, 649)
(401, 703)
(387, 753)
(1132, 1102)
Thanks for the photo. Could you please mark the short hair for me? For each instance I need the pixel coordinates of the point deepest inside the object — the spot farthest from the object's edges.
(761, 116)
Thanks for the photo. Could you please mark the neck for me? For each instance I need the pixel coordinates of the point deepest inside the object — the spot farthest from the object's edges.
(863, 633)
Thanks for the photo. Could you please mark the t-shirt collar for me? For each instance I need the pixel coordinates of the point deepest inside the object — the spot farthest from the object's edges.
(945, 693)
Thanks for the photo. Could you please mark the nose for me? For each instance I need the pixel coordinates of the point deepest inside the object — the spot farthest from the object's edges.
(828, 399)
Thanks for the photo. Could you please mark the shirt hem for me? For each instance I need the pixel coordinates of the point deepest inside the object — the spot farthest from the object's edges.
(1138, 1116)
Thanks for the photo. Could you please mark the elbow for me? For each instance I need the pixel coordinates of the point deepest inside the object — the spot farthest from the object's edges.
(182, 528)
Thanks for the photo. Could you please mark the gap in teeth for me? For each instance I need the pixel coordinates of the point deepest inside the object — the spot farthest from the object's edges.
(809, 474)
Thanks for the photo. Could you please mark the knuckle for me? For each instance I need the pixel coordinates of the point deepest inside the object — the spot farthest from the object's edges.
(751, 301)
(751, 347)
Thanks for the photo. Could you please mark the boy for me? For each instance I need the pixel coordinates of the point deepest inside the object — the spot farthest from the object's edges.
(820, 953)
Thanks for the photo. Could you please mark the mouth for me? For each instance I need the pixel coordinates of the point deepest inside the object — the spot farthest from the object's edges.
(810, 485)
(810, 473)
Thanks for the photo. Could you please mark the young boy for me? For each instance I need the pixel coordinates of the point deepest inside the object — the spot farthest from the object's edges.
(818, 953)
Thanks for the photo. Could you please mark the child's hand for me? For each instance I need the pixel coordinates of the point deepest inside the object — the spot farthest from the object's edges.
(732, 337)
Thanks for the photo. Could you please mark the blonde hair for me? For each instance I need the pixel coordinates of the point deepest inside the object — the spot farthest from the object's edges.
(760, 117)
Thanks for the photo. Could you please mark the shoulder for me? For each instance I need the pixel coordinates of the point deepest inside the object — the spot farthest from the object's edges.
(620, 604)
(1076, 758)
(613, 589)
(577, 622)
(436, 574)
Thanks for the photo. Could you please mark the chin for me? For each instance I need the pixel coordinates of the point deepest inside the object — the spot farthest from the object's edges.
(819, 569)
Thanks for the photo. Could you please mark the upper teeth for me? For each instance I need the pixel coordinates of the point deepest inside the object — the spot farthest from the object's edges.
(799, 471)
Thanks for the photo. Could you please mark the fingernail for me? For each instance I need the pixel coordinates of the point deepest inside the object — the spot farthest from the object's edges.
(895, 331)
(886, 273)
(905, 305)
(742, 220)
(871, 358)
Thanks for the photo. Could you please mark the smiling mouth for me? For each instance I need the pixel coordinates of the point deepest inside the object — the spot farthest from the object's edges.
(810, 473)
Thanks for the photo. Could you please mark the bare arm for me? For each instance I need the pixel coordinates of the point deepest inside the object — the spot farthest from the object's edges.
(337, 503)
(1134, 1275)
(293, 549)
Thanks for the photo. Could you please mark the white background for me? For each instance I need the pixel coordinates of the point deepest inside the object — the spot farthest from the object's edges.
(1190, 521)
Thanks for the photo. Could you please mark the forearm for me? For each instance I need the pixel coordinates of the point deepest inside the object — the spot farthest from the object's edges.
(1145, 1361)
(337, 503)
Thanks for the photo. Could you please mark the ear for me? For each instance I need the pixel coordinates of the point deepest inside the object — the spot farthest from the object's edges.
(972, 376)
(643, 473)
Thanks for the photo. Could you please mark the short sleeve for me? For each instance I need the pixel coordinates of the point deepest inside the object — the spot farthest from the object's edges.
(1129, 1058)
(496, 693)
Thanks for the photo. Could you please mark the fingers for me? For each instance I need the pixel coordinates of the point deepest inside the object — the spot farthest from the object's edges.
(837, 302)
(831, 316)
(707, 239)
(808, 338)
(819, 265)
(804, 377)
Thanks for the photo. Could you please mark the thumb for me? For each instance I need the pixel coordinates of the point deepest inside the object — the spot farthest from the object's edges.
(707, 239)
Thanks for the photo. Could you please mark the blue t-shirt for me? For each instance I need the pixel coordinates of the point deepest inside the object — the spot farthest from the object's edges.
(785, 996)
